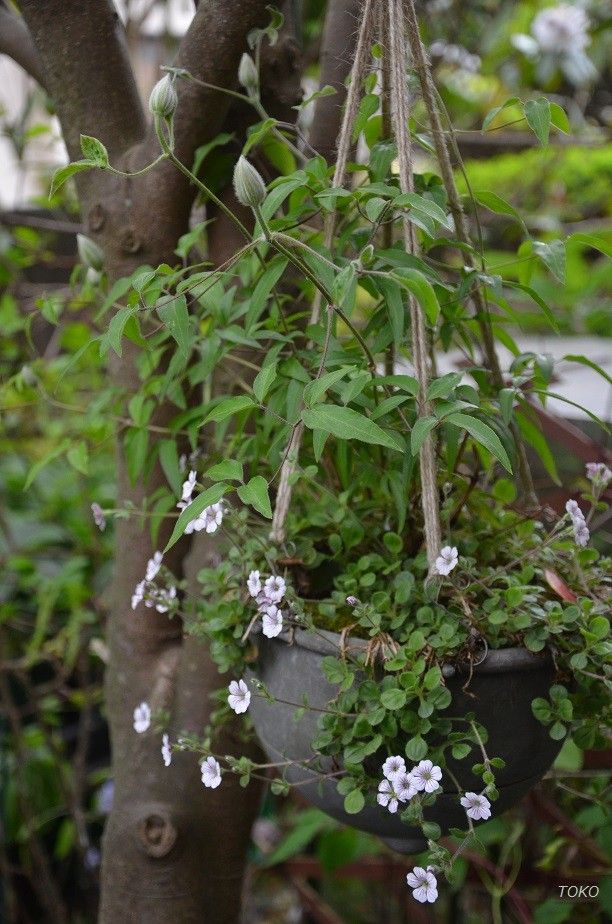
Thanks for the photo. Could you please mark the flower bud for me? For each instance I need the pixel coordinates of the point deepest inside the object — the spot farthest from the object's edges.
(248, 184)
(163, 99)
(247, 74)
(367, 255)
(89, 252)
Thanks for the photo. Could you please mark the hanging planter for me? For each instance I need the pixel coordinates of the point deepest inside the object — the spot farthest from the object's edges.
(498, 690)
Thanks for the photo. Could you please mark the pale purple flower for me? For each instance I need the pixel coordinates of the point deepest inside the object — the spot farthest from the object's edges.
(138, 595)
(393, 766)
(405, 786)
(476, 806)
(426, 776)
(387, 797)
(239, 696)
(188, 487)
(597, 472)
(142, 718)
(561, 29)
(352, 601)
(447, 560)
(166, 750)
(105, 797)
(423, 883)
(211, 772)
(212, 517)
(164, 598)
(98, 515)
(274, 588)
(153, 566)
(581, 530)
(254, 583)
(272, 621)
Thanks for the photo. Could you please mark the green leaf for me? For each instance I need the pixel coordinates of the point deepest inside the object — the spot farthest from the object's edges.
(211, 496)
(591, 240)
(255, 494)
(552, 256)
(496, 204)
(347, 424)
(395, 308)
(48, 457)
(506, 403)
(114, 332)
(538, 300)
(317, 387)
(513, 101)
(558, 118)
(393, 698)
(94, 151)
(175, 316)
(228, 470)
(263, 381)
(78, 456)
(420, 431)
(422, 289)
(64, 173)
(537, 113)
(422, 204)
(416, 749)
(354, 802)
(442, 387)
(367, 107)
(229, 406)
(169, 461)
(483, 434)
(585, 361)
(534, 436)
(263, 289)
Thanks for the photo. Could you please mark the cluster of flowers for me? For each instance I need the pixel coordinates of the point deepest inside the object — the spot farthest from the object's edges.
(268, 596)
(399, 785)
(599, 474)
(581, 530)
(455, 56)
(211, 517)
(146, 591)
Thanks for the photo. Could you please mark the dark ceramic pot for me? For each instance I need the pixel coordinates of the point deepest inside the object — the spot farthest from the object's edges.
(499, 694)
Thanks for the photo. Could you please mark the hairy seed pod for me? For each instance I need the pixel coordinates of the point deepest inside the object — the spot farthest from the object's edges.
(248, 184)
(90, 254)
(247, 74)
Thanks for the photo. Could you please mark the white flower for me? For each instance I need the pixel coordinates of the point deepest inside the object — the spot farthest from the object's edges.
(166, 751)
(387, 797)
(164, 599)
(274, 588)
(142, 718)
(426, 776)
(153, 566)
(98, 515)
(423, 883)
(138, 595)
(211, 772)
(188, 487)
(272, 622)
(597, 472)
(476, 807)
(447, 560)
(393, 766)
(405, 786)
(561, 29)
(581, 530)
(254, 583)
(212, 517)
(239, 696)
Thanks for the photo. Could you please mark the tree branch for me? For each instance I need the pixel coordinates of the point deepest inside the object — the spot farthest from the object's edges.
(16, 42)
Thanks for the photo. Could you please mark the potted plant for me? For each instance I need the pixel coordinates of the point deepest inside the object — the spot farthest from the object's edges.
(409, 634)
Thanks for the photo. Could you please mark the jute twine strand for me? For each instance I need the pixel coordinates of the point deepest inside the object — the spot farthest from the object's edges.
(358, 72)
(399, 113)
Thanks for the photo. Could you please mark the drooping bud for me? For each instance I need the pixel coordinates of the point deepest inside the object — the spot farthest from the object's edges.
(247, 75)
(163, 99)
(367, 255)
(89, 252)
(248, 184)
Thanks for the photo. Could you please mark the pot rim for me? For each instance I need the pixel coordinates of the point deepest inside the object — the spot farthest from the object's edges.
(496, 660)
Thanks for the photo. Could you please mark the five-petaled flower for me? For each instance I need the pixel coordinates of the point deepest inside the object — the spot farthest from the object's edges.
(274, 588)
(423, 883)
(239, 696)
(393, 766)
(405, 786)
(254, 583)
(272, 621)
(166, 750)
(476, 806)
(387, 796)
(426, 776)
(447, 560)
(142, 718)
(211, 772)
